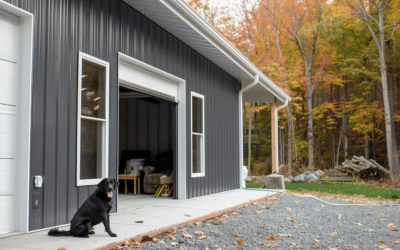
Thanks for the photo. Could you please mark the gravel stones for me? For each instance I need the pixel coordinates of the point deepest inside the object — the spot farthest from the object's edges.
(290, 222)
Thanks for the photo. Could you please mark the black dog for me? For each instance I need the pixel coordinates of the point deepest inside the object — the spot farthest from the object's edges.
(94, 210)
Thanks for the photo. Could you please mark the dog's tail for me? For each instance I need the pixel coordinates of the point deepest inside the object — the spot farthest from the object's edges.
(56, 232)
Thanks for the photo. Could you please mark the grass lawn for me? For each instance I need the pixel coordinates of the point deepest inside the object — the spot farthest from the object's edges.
(336, 188)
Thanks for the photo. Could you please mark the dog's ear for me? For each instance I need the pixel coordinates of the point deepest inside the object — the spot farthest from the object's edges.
(100, 185)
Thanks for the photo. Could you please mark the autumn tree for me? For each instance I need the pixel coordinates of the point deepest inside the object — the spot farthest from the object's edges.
(213, 11)
(372, 13)
(300, 20)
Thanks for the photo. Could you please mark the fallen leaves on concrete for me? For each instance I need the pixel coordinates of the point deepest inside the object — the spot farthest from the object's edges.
(146, 238)
(271, 238)
(291, 220)
(136, 245)
(334, 233)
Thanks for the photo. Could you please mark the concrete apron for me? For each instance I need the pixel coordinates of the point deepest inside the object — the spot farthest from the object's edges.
(157, 214)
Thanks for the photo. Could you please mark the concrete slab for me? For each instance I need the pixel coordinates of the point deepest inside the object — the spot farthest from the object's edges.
(156, 214)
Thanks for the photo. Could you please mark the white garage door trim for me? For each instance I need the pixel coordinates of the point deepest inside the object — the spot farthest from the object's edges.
(137, 75)
(24, 115)
(140, 76)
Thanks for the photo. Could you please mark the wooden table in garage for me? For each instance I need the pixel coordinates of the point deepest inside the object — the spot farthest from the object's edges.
(135, 178)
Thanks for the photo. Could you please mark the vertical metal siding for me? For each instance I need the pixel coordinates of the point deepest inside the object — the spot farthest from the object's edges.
(152, 124)
(103, 28)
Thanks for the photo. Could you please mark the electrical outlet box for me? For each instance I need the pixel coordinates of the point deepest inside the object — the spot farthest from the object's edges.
(38, 181)
(36, 200)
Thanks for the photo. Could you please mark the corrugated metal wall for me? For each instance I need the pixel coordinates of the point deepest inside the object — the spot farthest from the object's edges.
(145, 125)
(102, 28)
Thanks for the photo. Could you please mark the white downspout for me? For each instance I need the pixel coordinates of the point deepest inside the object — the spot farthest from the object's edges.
(276, 134)
(241, 127)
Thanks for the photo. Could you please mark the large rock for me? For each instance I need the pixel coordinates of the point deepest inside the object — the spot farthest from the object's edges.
(311, 178)
(299, 178)
(307, 173)
(275, 181)
(318, 173)
(287, 180)
(290, 177)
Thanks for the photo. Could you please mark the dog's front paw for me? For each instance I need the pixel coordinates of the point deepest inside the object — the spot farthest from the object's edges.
(113, 235)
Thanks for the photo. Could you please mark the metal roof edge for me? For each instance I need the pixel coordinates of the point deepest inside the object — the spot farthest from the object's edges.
(225, 45)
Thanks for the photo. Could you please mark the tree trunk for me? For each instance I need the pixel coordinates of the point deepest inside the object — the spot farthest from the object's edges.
(392, 113)
(244, 118)
(289, 155)
(380, 44)
(310, 135)
(255, 121)
(319, 148)
(345, 134)
(366, 148)
(282, 143)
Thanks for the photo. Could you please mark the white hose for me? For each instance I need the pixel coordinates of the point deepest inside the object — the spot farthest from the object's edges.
(334, 204)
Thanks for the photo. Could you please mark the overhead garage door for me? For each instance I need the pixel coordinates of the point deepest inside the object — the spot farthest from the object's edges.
(9, 82)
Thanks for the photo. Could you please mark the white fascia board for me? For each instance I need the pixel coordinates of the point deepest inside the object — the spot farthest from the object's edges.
(193, 19)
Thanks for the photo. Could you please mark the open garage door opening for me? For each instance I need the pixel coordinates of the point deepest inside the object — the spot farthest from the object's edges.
(147, 144)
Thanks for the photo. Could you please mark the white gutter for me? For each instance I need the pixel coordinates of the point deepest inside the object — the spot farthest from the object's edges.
(256, 79)
(276, 134)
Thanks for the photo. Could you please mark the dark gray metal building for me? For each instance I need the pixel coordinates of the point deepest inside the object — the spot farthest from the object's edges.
(83, 80)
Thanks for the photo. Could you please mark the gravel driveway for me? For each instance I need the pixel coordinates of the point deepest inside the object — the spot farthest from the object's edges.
(292, 222)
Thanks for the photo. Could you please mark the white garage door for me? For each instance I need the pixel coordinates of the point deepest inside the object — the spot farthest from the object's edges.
(9, 82)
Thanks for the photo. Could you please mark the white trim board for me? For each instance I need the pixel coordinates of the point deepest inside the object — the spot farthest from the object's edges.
(146, 78)
(24, 117)
(173, 88)
(202, 172)
(105, 121)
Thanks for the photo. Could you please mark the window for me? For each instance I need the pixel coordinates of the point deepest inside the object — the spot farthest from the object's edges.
(198, 168)
(92, 143)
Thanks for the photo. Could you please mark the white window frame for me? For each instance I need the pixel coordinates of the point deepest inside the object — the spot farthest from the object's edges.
(105, 121)
(202, 161)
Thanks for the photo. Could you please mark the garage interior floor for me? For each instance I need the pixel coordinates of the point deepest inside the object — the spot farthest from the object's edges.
(156, 213)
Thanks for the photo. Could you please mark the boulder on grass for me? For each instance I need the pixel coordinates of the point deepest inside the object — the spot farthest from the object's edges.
(275, 181)
(310, 178)
(307, 173)
(299, 178)
(318, 173)
(290, 177)
(287, 180)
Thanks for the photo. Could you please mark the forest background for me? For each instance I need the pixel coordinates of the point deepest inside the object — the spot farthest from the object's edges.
(339, 60)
